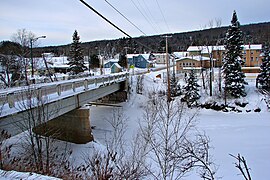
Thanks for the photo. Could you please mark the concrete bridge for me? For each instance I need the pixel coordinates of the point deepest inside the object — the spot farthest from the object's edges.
(40, 103)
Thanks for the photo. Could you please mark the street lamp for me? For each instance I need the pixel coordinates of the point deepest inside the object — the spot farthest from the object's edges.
(31, 53)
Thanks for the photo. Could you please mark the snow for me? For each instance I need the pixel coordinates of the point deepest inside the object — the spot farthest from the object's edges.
(252, 47)
(180, 54)
(230, 133)
(6, 110)
(9, 175)
(233, 133)
(205, 49)
(208, 49)
(197, 58)
(111, 60)
(145, 56)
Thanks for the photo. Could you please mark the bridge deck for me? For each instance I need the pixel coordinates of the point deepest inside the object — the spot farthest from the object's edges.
(13, 100)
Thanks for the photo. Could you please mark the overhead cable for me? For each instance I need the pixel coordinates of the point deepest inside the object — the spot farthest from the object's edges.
(107, 20)
(144, 15)
(162, 15)
(124, 17)
(90, 7)
(148, 10)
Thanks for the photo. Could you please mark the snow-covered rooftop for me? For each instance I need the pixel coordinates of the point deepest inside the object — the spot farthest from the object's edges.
(111, 60)
(197, 58)
(181, 54)
(252, 47)
(205, 49)
(146, 56)
(209, 49)
(117, 65)
(52, 61)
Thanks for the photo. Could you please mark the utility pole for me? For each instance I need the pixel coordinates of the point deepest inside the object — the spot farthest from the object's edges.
(168, 68)
(211, 69)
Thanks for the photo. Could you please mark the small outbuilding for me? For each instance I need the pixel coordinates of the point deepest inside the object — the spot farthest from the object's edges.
(116, 68)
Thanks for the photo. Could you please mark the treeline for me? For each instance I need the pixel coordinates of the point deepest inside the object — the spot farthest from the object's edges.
(253, 33)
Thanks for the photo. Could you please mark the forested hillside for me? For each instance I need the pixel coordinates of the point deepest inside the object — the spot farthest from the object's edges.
(253, 33)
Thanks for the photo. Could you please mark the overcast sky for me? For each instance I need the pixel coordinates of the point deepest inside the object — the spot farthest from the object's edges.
(57, 19)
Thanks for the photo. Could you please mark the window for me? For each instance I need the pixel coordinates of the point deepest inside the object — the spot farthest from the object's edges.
(193, 64)
(257, 59)
(251, 59)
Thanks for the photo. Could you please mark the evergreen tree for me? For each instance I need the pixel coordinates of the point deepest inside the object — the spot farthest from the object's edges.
(76, 60)
(175, 87)
(94, 61)
(191, 90)
(264, 76)
(122, 60)
(233, 76)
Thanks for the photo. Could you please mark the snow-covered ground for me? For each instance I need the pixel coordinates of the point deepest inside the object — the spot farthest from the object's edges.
(8, 175)
(246, 133)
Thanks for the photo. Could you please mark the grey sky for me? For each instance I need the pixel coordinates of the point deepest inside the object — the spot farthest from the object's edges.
(57, 19)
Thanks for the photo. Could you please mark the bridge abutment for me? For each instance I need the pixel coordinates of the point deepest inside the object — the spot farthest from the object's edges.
(73, 126)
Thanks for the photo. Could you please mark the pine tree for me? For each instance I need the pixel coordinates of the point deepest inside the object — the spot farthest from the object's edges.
(123, 60)
(94, 61)
(175, 87)
(233, 76)
(191, 90)
(264, 76)
(76, 60)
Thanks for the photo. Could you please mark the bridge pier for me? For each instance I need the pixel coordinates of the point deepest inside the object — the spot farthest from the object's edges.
(73, 126)
(118, 96)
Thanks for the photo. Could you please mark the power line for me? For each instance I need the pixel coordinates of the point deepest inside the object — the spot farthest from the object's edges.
(107, 20)
(90, 7)
(144, 15)
(151, 15)
(124, 17)
(163, 15)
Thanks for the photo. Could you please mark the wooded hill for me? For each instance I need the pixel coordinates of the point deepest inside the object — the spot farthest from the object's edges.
(252, 33)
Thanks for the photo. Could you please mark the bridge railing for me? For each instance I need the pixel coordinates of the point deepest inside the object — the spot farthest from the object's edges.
(12, 95)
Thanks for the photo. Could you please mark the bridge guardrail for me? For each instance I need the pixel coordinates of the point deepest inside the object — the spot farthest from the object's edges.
(13, 95)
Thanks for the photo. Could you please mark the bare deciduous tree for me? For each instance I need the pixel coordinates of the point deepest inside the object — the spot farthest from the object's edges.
(38, 151)
(198, 150)
(241, 164)
(167, 131)
(5, 150)
(24, 37)
(139, 86)
(218, 22)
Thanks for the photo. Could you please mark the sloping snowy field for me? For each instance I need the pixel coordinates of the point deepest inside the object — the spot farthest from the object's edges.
(230, 133)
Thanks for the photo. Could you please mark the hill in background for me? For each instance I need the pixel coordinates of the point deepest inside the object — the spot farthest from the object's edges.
(253, 34)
